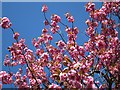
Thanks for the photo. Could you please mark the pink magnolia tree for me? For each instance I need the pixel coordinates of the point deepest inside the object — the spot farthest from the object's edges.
(96, 64)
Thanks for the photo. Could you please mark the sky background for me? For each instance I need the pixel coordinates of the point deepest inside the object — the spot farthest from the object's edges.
(27, 19)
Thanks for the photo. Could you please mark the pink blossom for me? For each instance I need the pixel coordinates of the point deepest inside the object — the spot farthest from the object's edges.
(90, 31)
(89, 6)
(60, 44)
(69, 17)
(40, 40)
(81, 50)
(55, 86)
(77, 65)
(22, 41)
(5, 23)
(54, 29)
(14, 63)
(44, 30)
(72, 73)
(17, 75)
(5, 77)
(39, 51)
(53, 23)
(68, 30)
(76, 84)
(63, 76)
(35, 43)
(32, 82)
(44, 8)
(87, 22)
(55, 18)
(6, 61)
(86, 45)
(16, 35)
(67, 14)
(46, 22)
(45, 55)
(91, 24)
(50, 37)
(100, 44)
(59, 58)
(113, 42)
(75, 30)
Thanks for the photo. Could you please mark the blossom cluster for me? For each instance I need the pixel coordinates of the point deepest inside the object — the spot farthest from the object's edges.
(68, 65)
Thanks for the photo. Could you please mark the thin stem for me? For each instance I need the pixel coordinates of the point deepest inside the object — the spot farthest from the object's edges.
(96, 84)
(61, 37)
(13, 33)
(63, 24)
(85, 34)
(46, 18)
(12, 30)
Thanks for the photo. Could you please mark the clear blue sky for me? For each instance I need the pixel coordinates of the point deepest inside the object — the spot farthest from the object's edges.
(27, 19)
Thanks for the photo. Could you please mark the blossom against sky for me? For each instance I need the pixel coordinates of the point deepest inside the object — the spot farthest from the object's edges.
(27, 19)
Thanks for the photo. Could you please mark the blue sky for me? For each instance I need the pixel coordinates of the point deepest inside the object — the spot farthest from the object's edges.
(27, 19)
